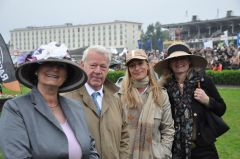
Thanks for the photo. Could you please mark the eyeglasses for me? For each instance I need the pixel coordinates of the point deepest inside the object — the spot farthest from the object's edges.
(54, 64)
(180, 58)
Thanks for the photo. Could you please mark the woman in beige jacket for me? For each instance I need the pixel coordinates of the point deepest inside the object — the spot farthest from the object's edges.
(150, 120)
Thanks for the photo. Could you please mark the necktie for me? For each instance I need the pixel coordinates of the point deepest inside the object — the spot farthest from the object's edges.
(94, 97)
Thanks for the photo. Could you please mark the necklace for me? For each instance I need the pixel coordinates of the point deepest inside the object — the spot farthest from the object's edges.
(181, 85)
(53, 106)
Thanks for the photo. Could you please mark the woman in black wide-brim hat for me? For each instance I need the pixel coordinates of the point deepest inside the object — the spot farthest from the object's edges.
(42, 123)
(192, 95)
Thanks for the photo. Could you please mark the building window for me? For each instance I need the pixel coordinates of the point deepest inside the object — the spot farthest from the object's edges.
(139, 27)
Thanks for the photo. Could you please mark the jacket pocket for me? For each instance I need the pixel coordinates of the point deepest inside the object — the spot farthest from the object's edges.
(156, 127)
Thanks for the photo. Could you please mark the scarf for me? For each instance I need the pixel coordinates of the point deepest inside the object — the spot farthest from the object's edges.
(140, 84)
(142, 144)
(182, 114)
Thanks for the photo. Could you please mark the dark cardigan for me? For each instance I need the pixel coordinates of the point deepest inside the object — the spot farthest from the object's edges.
(216, 104)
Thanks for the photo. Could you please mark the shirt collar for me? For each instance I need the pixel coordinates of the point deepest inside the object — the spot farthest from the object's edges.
(90, 90)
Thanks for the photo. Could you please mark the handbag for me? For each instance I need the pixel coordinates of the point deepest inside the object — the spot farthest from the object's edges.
(217, 125)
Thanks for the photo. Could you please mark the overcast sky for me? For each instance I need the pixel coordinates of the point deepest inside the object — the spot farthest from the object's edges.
(22, 13)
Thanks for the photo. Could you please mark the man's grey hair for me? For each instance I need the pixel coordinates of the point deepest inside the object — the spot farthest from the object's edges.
(99, 49)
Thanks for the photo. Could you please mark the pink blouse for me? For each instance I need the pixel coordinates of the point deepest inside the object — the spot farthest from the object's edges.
(74, 148)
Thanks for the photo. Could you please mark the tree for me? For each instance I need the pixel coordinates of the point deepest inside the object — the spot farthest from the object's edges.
(153, 32)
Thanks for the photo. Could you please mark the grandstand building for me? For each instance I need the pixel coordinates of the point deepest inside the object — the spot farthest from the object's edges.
(117, 34)
(197, 32)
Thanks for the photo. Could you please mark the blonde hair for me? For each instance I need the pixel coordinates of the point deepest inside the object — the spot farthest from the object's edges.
(130, 96)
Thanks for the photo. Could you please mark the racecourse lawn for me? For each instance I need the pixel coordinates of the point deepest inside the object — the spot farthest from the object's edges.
(228, 145)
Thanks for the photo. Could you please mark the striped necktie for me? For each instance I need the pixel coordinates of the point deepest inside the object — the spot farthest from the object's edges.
(94, 97)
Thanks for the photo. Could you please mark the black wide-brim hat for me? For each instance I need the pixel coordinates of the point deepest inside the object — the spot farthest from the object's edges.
(179, 50)
(76, 77)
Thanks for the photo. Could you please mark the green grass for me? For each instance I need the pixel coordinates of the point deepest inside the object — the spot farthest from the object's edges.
(23, 90)
(228, 145)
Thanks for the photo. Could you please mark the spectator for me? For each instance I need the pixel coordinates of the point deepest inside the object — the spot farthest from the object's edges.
(105, 115)
(43, 124)
(149, 112)
(192, 95)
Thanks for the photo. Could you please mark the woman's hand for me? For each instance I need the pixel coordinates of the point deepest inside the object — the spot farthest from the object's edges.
(201, 96)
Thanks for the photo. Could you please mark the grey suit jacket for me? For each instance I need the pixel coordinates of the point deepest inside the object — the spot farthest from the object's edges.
(28, 129)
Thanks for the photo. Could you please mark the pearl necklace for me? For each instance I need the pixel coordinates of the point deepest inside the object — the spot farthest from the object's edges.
(53, 106)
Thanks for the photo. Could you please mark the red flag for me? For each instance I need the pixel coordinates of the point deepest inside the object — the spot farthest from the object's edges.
(14, 86)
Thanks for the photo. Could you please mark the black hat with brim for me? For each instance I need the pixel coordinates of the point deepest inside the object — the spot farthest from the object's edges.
(179, 50)
(76, 77)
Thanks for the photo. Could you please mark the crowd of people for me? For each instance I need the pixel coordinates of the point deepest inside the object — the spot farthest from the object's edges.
(218, 57)
(74, 112)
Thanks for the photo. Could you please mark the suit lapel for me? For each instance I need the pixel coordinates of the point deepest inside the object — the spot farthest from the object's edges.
(87, 99)
(41, 106)
(106, 102)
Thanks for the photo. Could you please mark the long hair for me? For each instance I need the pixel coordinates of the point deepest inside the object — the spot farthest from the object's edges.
(130, 95)
(168, 74)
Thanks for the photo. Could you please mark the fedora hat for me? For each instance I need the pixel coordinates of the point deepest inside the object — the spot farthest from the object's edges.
(136, 54)
(179, 50)
(51, 53)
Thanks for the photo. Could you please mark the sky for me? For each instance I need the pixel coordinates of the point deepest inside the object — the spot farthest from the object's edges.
(23, 13)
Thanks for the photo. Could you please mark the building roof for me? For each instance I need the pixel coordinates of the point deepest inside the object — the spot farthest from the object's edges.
(71, 25)
(209, 22)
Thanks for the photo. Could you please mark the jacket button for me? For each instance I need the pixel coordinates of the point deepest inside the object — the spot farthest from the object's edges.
(194, 114)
